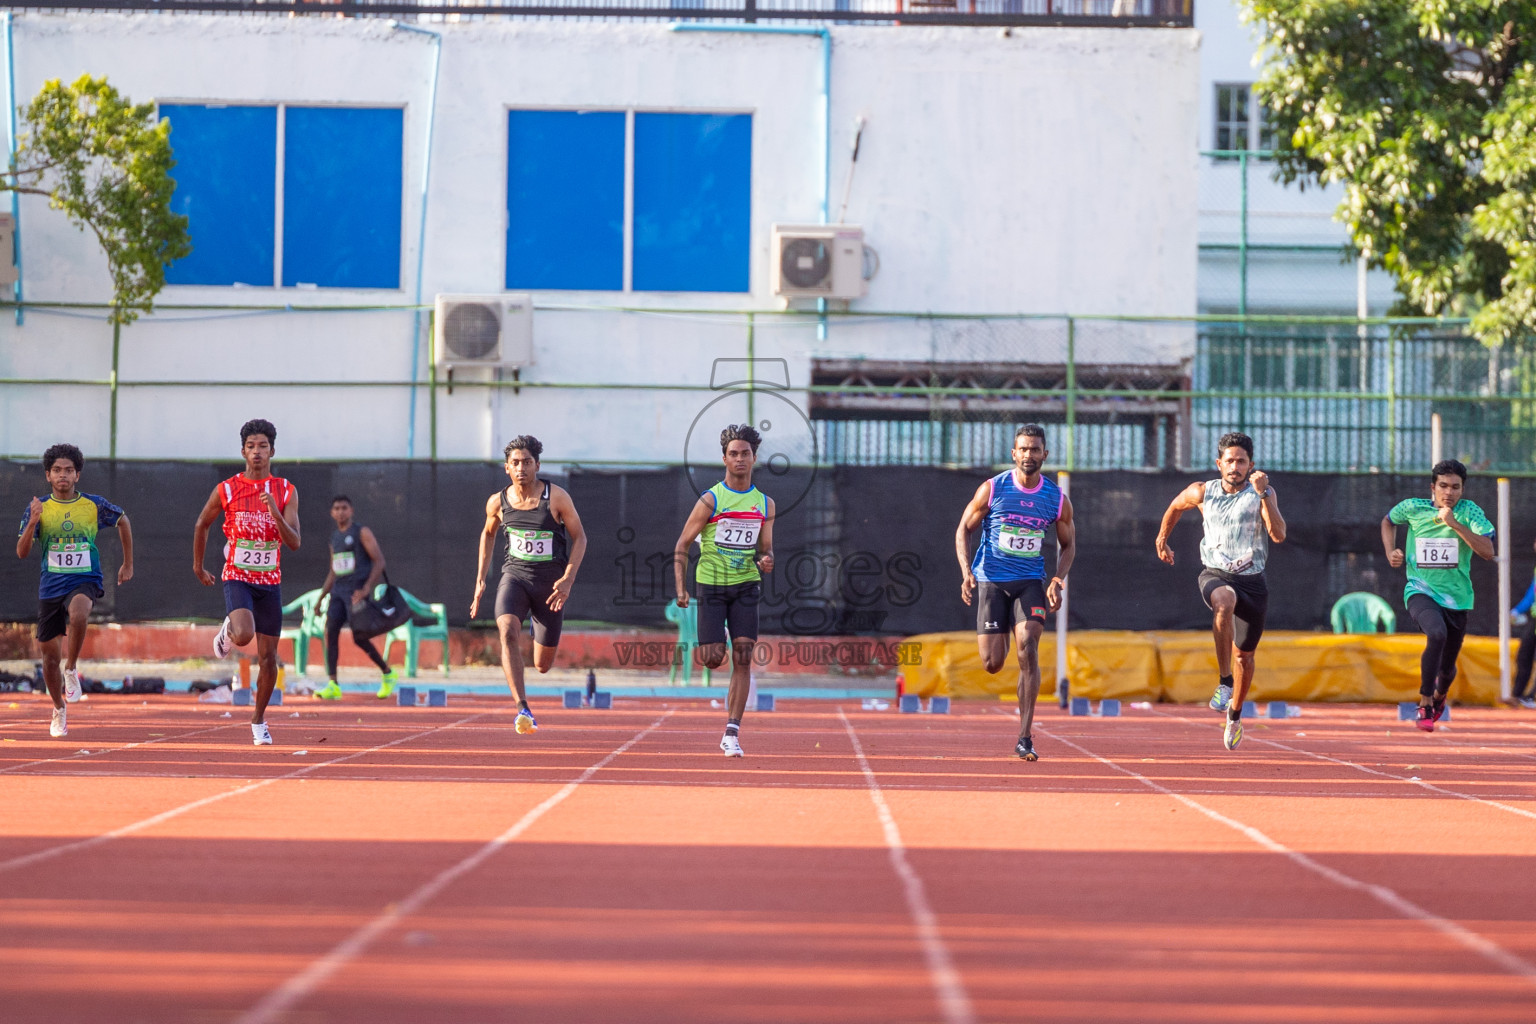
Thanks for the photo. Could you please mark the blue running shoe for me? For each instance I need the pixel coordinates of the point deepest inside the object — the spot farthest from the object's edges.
(524, 722)
(1221, 698)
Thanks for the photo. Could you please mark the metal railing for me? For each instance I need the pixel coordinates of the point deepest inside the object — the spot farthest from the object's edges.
(1082, 13)
(1317, 394)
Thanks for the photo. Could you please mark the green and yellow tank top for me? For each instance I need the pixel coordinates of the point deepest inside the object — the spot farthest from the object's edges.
(728, 544)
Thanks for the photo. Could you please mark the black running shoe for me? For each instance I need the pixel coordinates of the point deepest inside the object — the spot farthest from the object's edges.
(1025, 748)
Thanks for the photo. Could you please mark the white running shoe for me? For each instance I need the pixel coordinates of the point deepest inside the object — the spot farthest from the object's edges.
(59, 727)
(72, 689)
(261, 736)
(221, 644)
(731, 745)
(1233, 734)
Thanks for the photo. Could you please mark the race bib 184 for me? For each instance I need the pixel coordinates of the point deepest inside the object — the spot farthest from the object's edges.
(1019, 541)
(69, 556)
(254, 555)
(1437, 552)
(531, 545)
(737, 534)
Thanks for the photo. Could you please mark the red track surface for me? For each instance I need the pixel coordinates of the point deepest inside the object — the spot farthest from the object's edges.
(432, 865)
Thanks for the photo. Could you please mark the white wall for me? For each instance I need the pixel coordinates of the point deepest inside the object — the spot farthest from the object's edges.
(1036, 171)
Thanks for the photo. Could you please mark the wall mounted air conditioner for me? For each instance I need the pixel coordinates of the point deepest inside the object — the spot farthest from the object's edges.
(483, 330)
(818, 261)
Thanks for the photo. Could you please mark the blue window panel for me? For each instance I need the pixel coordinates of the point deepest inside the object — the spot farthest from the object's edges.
(693, 202)
(342, 177)
(226, 187)
(565, 199)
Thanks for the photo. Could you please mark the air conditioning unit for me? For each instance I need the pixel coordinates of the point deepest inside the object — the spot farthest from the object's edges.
(483, 330)
(818, 261)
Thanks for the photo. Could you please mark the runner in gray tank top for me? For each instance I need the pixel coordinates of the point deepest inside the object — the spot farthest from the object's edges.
(1242, 516)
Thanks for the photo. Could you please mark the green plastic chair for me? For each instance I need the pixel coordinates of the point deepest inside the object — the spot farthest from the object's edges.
(413, 635)
(1363, 612)
(311, 627)
(687, 620)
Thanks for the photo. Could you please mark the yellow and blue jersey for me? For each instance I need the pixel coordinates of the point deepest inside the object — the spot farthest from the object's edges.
(67, 533)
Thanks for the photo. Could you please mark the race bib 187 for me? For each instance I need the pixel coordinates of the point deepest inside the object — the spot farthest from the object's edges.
(343, 562)
(531, 545)
(1019, 541)
(254, 555)
(69, 556)
(737, 534)
(1437, 552)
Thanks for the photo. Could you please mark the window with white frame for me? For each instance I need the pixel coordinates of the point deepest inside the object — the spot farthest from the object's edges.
(1242, 122)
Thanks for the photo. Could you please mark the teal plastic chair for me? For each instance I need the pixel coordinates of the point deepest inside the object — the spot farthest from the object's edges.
(413, 635)
(1363, 612)
(311, 627)
(687, 620)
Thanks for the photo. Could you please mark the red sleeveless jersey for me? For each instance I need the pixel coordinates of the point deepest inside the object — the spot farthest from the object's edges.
(253, 548)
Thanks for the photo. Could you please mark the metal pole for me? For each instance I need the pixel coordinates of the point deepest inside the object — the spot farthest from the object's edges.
(1242, 239)
(1504, 565)
(1071, 439)
(432, 381)
(1436, 446)
(10, 104)
(117, 337)
(1391, 402)
(751, 368)
(421, 234)
(1063, 684)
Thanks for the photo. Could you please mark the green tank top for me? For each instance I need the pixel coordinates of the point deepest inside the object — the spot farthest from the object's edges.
(728, 543)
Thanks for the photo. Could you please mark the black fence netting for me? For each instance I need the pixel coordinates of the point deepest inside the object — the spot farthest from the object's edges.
(858, 549)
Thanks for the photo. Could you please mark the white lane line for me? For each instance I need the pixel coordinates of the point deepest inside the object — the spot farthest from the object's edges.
(947, 984)
(1389, 897)
(1373, 771)
(296, 988)
(77, 755)
(175, 812)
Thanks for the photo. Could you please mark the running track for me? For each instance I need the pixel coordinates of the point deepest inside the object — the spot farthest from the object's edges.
(432, 865)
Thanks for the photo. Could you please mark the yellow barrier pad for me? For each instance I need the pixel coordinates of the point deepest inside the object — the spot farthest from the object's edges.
(1181, 667)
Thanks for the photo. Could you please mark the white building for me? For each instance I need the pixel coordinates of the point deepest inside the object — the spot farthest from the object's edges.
(1298, 256)
(1042, 171)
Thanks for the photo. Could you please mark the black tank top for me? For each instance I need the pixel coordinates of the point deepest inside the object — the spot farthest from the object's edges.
(537, 550)
(349, 560)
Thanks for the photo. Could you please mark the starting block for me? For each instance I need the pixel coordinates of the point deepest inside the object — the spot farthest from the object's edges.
(1109, 707)
(911, 703)
(765, 702)
(437, 698)
(1081, 706)
(1250, 709)
(1408, 710)
(571, 699)
(1277, 709)
(405, 696)
(938, 705)
(602, 699)
(245, 697)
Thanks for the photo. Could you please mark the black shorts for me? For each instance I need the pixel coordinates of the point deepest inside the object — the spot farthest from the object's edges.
(53, 612)
(732, 606)
(524, 600)
(1000, 606)
(265, 603)
(1252, 603)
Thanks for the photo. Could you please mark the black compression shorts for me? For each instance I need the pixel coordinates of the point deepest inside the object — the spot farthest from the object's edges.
(523, 601)
(1000, 606)
(1252, 603)
(732, 606)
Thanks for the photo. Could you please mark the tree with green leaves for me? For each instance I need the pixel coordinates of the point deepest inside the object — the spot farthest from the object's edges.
(107, 164)
(1424, 112)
